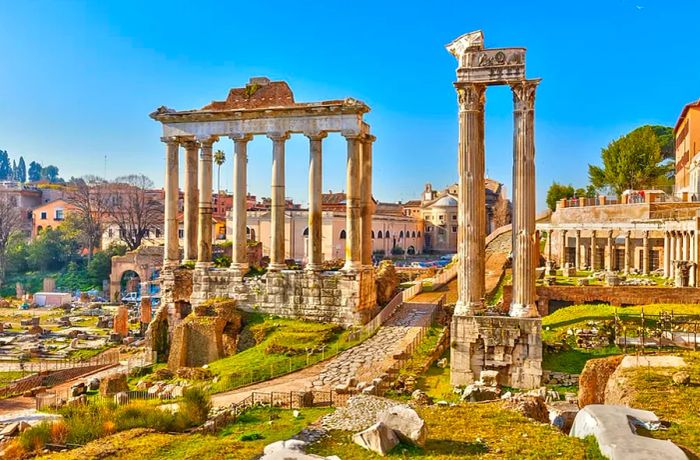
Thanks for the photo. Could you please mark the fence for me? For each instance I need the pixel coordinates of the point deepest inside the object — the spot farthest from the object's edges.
(663, 330)
(55, 399)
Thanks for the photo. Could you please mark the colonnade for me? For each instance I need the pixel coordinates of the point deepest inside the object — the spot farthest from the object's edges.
(608, 261)
(680, 246)
(198, 201)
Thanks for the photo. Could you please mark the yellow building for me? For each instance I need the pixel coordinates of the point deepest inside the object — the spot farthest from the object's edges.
(687, 136)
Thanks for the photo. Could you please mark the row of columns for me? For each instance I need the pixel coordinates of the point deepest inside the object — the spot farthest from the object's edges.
(611, 247)
(198, 201)
(680, 245)
(471, 212)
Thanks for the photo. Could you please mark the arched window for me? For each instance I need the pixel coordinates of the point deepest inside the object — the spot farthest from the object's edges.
(372, 234)
(306, 231)
(401, 234)
(413, 234)
(387, 234)
(40, 228)
(379, 235)
(343, 235)
(418, 233)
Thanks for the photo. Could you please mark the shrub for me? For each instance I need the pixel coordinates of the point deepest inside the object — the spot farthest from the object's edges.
(59, 432)
(35, 438)
(14, 451)
(397, 251)
(196, 405)
(254, 436)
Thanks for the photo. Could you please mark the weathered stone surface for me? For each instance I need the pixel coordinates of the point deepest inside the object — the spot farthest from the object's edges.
(613, 428)
(387, 282)
(378, 438)
(532, 407)
(681, 378)
(77, 390)
(114, 383)
(562, 415)
(121, 398)
(121, 321)
(476, 393)
(421, 398)
(93, 384)
(407, 424)
(594, 379)
(489, 378)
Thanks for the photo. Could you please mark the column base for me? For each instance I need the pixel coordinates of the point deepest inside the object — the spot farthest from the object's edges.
(171, 264)
(519, 310)
(203, 264)
(352, 266)
(313, 267)
(276, 267)
(239, 267)
(468, 308)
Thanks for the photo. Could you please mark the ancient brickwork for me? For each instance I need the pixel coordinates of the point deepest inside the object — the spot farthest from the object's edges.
(512, 346)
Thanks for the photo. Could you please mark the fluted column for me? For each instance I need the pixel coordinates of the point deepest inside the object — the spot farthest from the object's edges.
(677, 251)
(686, 246)
(562, 248)
(471, 212)
(628, 237)
(315, 241)
(611, 252)
(366, 202)
(278, 202)
(645, 253)
(577, 261)
(353, 229)
(239, 212)
(594, 249)
(692, 277)
(524, 234)
(191, 215)
(172, 195)
(204, 229)
(667, 255)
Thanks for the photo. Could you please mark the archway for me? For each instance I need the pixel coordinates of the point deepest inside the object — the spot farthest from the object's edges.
(411, 251)
(130, 281)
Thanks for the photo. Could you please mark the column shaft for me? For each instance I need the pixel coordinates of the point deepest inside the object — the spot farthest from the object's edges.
(172, 195)
(191, 215)
(562, 249)
(204, 230)
(352, 206)
(315, 239)
(239, 212)
(611, 252)
(471, 212)
(577, 262)
(525, 243)
(645, 253)
(594, 249)
(277, 210)
(366, 203)
(667, 255)
(628, 237)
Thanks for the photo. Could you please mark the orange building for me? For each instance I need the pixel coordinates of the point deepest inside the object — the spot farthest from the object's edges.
(49, 215)
(687, 136)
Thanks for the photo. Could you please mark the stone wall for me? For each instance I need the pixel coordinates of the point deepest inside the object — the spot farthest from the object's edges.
(624, 213)
(511, 346)
(613, 295)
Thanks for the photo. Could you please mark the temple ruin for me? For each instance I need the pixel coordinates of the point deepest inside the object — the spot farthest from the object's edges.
(511, 345)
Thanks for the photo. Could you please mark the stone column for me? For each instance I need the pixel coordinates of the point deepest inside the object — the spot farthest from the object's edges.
(525, 244)
(676, 252)
(594, 249)
(278, 202)
(471, 213)
(172, 196)
(628, 238)
(353, 229)
(645, 253)
(366, 202)
(204, 229)
(315, 248)
(191, 215)
(610, 262)
(686, 246)
(667, 255)
(692, 278)
(577, 262)
(562, 249)
(239, 212)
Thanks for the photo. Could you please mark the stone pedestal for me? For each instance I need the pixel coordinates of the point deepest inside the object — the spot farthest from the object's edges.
(121, 321)
(511, 346)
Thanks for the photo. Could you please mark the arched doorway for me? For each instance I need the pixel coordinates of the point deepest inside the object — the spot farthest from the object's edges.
(130, 281)
(411, 251)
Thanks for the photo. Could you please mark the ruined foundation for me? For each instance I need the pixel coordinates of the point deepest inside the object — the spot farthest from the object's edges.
(512, 346)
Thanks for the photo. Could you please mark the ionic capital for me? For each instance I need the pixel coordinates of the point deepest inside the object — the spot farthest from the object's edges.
(351, 135)
(279, 136)
(524, 94)
(471, 96)
(170, 140)
(207, 141)
(316, 135)
(370, 138)
(241, 137)
(189, 143)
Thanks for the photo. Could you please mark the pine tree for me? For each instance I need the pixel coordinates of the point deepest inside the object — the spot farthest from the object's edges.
(34, 172)
(5, 167)
(22, 170)
(14, 170)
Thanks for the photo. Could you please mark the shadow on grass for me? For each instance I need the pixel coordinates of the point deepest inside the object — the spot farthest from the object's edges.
(451, 447)
(572, 361)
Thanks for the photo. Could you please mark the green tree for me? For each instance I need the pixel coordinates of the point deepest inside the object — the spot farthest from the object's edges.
(5, 166)
(52, 249)
(21, 170)
(633, 162)
(557, 192)
(100, 266)
(17, 253)
(588, 192)
(34, 172)
(219, 159)
(50, 173)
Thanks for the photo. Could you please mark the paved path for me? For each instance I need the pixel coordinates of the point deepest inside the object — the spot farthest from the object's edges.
(366, 361)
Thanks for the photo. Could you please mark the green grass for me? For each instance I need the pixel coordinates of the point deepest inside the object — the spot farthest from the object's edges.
(9, 376)
(261, 426)
(281, 346)
(497, 293)
(575, 314)
(572, 361)
(423, 351)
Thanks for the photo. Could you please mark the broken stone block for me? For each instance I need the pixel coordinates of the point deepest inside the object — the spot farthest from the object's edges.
(562, 415)
(113, 384)
(421, 398)
(77, 390)
(406, 423)
(93, 384)
(476, 393)
(681, 378)
(489, 378)
(78, 400)
(378, 438)
(121, 321)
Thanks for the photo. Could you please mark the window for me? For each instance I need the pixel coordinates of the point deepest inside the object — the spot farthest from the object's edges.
(442, 217)
(427, 230)
(418, 233)
(454, 229)
(180, 233)
(343, 235)
(401, 234)
(379, 235)
(306, 232)
(59, 214)
(413, 234)
(372, 234)
(110, 233)
(43, 215)
(157, 233)
(454, 216)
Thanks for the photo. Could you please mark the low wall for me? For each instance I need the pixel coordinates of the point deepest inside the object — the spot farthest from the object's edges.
(613, 295)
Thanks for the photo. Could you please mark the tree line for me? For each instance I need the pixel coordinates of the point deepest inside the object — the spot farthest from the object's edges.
(18, 171)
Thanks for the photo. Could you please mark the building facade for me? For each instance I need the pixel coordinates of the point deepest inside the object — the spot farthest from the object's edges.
(687, 137)
(49, 215)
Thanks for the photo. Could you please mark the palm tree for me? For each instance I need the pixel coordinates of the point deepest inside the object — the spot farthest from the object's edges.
(219, 158)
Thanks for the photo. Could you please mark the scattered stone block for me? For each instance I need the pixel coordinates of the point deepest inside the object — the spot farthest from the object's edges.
(489, 378)
(594, 378)
(406, 423)
(93, 384)
(476, 393)
(121, 321)
(442, 363)
(78, 400)
(77, 390)
(113, 384)
(562, 415)
(10, 430)
(681, 378)
(530, 406)
(378, 438)
(421, 398)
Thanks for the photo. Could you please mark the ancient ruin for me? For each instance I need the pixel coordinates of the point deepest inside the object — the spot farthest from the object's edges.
(511, 345)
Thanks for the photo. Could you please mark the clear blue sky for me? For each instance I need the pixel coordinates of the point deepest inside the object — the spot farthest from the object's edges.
(79, 79)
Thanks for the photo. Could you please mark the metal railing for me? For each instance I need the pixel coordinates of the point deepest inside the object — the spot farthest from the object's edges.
(663, 330)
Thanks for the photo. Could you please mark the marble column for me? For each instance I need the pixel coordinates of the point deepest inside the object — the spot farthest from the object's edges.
(692, 275)
(471, 213)
(191, 215)
(366, 202)
(577, 262)
(353, 228)
(686, 246)
(667, 255)
(562, 249)
(610, 260)
(594, 250)
(278, 202)
(239, 212)
(315, 242)
(645, 253)
(675, 252)
(172, 196)
(204, 229)
(628, 238)
(525, 244)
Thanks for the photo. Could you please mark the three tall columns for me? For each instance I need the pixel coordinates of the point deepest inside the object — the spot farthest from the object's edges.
(239, 256)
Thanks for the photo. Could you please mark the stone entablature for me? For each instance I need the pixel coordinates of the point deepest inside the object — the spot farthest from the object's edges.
(625, 212)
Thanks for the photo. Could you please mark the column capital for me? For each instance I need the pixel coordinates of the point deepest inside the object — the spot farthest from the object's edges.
(610, 233)
(351, 135)
(241, 137)
(370, 138)
(207, 141)
(316, 135)
(578, 232)
(471, 96)
(189, 143)
(278, 136)
(524, 94)
(170, 140)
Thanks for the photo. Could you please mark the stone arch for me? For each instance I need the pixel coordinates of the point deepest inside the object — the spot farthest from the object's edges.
(39, 229)
(343, 235)
(372, 234)
(379, 235)
(305, 232)
(411, 250)
(413, 234)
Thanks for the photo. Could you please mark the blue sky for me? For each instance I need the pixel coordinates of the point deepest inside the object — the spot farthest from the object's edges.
(79, 79)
